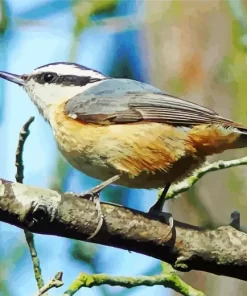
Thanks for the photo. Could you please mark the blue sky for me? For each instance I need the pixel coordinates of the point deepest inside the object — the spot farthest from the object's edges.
(28, 48)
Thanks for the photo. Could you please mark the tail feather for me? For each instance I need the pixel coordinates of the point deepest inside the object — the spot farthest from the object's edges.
(238, 129)
(216, 138)
(241, 141)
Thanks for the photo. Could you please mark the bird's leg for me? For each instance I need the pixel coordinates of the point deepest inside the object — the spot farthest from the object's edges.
(97, 189)
(93, 194)
(158, 207)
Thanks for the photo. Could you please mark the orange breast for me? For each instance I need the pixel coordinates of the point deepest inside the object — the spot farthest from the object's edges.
(147, 155)
(128, 148)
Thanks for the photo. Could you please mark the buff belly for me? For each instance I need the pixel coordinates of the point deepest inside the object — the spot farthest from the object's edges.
(145, 155)
(145, 179)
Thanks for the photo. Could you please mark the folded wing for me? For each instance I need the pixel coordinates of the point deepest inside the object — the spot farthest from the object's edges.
(123, 101)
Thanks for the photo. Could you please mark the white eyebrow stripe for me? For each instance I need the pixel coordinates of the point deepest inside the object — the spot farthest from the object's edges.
(64, 69)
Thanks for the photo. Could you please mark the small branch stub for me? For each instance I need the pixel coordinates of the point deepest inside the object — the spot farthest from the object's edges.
(55, 282)
(235, 220)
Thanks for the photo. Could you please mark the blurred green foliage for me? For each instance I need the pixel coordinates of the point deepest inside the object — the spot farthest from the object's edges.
(4, 19)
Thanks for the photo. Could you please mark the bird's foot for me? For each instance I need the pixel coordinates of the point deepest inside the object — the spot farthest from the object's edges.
(100, 216)
(93, 195)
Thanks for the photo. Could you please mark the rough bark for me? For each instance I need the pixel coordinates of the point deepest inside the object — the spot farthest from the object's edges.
(222, 251)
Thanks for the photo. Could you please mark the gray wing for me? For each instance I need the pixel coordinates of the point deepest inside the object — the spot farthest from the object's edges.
(127, 101)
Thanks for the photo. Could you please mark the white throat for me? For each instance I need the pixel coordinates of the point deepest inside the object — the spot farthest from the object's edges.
(48, 96)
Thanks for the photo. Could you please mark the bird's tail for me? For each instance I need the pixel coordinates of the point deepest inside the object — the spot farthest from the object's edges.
(241, 141)
(218, 137)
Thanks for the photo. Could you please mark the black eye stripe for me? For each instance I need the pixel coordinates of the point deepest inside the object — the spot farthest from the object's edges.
(41, 77)
(65, 80)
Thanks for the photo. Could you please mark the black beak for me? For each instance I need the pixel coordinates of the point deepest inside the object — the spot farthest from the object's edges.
(18, 79)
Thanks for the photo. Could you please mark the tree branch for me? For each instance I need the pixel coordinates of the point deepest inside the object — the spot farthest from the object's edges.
(55, 282)
(168, 280)
(24, 133)
(183, 186)
(222, 251)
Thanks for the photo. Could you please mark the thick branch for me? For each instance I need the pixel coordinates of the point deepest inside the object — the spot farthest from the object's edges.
(222, 251)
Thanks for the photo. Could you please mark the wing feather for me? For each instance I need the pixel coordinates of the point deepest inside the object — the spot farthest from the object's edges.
(105, 107)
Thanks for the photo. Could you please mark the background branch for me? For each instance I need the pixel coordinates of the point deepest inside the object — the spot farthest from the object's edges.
(189, 182)
(55, 282)
(168, 280)
(24, 133)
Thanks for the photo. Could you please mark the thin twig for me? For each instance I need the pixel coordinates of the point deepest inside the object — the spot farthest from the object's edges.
(35, 259)
(19, 178)
(216, 166)
(168, 280)
(56, 282)
(24, 133)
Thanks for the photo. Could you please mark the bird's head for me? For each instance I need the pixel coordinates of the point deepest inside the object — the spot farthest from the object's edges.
(55, 83)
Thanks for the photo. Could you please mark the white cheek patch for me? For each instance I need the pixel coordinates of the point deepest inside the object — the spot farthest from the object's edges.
(47, 95)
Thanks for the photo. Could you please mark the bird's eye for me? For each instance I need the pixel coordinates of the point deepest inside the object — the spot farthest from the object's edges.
(48, 77)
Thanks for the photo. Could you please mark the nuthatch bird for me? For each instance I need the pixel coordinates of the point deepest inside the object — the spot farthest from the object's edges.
(106, 126)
